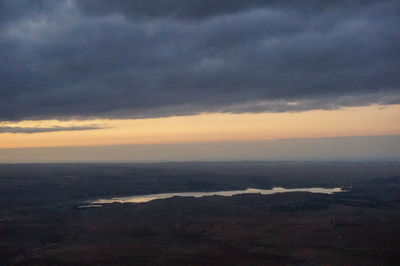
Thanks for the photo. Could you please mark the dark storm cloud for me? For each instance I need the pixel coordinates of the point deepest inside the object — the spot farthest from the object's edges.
(84, 59)
(31, 130)
(201, 9)
(11, 10)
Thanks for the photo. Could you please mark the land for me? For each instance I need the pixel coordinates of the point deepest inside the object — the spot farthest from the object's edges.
(41, 224)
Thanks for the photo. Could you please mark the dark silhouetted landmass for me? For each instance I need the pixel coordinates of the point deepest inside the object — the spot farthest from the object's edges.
(40, 223)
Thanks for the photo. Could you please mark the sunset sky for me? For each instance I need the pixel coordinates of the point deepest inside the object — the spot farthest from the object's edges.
(150, 80)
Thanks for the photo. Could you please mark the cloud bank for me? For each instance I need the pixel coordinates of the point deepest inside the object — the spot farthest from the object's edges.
(150, 58)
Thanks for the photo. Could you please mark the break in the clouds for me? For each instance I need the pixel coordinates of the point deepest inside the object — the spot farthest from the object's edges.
(32, 130)
(147, 58)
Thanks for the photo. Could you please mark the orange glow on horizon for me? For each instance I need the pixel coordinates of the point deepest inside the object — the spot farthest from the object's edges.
(214, 127)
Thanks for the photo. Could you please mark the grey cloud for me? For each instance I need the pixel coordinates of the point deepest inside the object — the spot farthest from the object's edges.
(200, 9)
(32, 130)
(20, 9)
(75, 59)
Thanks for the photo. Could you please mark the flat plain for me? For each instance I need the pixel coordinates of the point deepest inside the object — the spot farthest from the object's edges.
(41, 224)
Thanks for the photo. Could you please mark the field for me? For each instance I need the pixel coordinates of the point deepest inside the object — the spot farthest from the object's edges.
(41, 224)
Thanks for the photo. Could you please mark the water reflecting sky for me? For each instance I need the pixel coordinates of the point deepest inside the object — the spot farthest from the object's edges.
(150, 197)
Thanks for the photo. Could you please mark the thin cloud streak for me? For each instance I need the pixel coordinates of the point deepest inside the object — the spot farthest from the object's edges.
(33, 130)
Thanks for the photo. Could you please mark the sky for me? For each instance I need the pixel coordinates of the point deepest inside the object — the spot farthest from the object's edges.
(154, 80)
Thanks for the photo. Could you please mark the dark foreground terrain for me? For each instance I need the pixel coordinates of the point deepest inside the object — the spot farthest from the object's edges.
(40, 223)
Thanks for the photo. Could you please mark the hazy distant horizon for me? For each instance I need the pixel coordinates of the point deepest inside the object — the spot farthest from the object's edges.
(362, 148)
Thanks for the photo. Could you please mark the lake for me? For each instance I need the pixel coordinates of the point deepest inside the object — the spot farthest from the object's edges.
(150, 197)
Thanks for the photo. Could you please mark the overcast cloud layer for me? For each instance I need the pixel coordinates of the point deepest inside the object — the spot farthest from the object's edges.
(148, 58)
